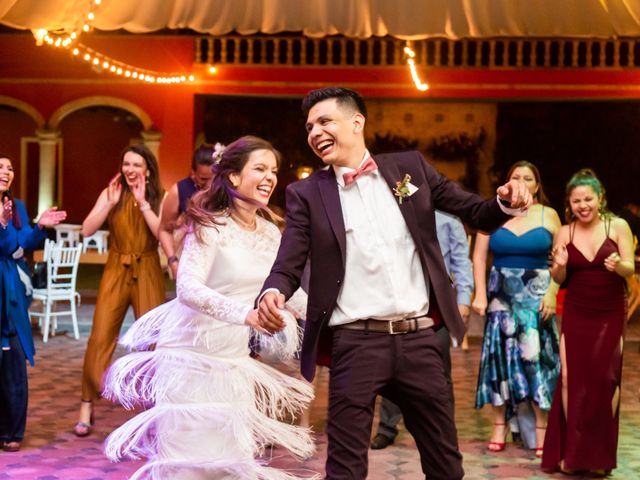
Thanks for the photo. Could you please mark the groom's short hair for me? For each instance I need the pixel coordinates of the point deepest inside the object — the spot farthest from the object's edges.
(344, 97)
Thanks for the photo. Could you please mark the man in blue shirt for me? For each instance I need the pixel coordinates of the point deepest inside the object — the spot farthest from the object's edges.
(455, 251)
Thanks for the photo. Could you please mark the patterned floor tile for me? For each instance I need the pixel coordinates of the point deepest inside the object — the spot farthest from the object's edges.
(52, 452)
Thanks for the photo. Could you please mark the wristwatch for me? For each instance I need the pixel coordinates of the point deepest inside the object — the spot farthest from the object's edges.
(172, 259)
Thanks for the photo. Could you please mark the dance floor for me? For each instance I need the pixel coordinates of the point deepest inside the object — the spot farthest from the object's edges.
(51, 451)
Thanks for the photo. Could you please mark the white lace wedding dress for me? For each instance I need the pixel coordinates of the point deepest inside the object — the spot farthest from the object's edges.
(211, 407)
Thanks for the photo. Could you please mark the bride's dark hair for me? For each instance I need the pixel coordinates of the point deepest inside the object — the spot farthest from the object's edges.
(209, 205)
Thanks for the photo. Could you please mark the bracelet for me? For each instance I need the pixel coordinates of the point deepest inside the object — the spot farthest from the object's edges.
(145, 206)
(172, 259)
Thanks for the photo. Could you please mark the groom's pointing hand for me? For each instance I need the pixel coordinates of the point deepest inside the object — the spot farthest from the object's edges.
(516, 193)
(269, 312)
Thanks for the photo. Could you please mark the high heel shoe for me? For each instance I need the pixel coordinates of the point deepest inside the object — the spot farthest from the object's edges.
(82, 429)
(498, 446)
(539, 450)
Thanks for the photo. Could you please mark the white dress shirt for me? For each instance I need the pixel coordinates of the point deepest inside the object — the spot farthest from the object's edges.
(383, 274)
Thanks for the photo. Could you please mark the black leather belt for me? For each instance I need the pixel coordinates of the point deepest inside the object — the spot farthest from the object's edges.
(392, 327)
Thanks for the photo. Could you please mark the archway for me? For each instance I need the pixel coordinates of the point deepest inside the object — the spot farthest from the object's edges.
(94, 133)
(100, 101)
(23, 107)
(19, 122)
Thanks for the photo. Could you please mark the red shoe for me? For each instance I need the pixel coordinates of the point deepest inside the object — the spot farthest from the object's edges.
(539, 450)
(498, 446)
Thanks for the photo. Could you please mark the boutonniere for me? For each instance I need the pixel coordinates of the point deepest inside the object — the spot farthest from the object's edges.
(404, 188)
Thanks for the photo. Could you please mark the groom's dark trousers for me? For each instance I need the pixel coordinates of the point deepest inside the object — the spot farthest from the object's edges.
(405, 368)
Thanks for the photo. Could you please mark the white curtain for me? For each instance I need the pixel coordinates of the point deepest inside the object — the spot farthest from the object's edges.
(409, 19)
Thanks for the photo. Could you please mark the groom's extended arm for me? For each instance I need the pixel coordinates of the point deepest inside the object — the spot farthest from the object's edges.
(475, 211)
(290, 262)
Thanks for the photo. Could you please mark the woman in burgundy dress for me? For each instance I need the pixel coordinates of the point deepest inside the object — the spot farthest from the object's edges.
(593, 254)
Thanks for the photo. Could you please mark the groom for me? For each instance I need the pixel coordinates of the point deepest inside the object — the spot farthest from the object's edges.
(379, 290)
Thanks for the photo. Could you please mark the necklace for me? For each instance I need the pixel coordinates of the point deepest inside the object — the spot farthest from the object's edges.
(246, 225)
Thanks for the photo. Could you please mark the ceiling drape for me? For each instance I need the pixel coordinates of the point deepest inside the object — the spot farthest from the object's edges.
(408, 19)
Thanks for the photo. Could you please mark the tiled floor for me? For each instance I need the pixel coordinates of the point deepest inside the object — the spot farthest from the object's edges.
(52, 452)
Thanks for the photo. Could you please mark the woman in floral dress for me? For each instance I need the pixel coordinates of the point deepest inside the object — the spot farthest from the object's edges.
(519, 360)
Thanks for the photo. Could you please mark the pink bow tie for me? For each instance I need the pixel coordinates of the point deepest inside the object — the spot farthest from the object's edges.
(369, 165)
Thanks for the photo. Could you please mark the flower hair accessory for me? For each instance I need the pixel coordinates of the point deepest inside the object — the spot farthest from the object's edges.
(218, 150)
(404, 188)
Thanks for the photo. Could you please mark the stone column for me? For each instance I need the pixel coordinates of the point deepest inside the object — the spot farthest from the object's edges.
(48, 141)
(151, 138)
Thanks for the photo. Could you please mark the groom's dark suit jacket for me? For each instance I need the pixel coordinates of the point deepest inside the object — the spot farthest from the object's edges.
(315, 229)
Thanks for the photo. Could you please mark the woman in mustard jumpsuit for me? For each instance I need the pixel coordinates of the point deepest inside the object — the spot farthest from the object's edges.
(132, 274)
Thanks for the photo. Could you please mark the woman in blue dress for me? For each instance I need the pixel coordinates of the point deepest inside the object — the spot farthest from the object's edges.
(519, 360)
(15, 328)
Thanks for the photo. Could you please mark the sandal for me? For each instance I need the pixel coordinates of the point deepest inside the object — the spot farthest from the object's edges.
(538, 450)
(82, 429)
(11, 446)
(498, 446)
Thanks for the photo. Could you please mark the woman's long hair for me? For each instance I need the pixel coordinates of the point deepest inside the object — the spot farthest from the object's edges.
(585, 178)
(153, 190)
(540, 196)
(15, 216)
(208, 205)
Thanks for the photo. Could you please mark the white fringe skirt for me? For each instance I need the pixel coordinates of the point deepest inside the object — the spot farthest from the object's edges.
(211, 408)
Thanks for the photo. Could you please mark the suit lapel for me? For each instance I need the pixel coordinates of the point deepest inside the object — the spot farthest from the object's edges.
(392, 174)
(331, 200)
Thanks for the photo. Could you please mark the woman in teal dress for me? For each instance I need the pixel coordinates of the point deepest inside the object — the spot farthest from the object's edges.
(519, 360)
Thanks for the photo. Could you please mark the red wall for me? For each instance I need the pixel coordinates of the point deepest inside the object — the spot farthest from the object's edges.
(15, 125)
(48, 78)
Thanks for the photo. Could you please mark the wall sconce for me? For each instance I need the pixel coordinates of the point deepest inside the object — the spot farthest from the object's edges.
(303, 172)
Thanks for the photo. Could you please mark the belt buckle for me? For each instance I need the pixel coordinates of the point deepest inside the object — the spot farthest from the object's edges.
(394, 332)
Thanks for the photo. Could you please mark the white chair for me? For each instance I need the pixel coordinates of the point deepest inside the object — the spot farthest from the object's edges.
(96, 241)
(68, 233)
(62, 272)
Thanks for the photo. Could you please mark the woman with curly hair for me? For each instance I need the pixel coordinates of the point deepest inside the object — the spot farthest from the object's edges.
(592, 255)
(519, 360)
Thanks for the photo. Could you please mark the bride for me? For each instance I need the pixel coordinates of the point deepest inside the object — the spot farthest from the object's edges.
(212, 408)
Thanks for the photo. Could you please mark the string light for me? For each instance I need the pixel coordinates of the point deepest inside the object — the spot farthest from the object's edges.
(420, 85)
(66, 39)
(121, 69)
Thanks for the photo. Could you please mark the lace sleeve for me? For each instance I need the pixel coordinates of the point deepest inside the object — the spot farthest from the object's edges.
(194, 270)
(297, 304)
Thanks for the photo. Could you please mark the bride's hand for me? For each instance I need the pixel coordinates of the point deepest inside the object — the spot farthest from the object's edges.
(253, 321)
